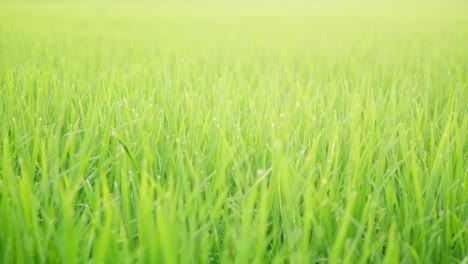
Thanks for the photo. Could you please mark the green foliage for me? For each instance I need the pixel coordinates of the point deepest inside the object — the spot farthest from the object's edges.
(246, 133)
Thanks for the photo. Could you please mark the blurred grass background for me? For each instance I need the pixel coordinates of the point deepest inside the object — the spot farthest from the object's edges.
(233, 132)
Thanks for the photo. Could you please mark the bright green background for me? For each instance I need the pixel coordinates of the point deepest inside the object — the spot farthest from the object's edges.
(244, 133)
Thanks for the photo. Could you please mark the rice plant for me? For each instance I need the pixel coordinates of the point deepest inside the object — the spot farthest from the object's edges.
(233, 132)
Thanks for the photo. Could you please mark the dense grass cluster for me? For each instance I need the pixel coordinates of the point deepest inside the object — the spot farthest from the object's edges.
(233, 133)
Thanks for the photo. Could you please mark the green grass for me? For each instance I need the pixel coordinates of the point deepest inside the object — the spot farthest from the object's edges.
(244, 133)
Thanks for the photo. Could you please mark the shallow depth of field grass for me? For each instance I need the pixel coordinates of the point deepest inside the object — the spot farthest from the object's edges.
(246, 133)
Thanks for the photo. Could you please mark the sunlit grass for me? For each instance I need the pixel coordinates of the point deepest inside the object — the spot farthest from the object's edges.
(233, 133)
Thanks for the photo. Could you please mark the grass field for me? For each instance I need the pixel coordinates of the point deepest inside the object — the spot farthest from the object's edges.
(234, 133)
